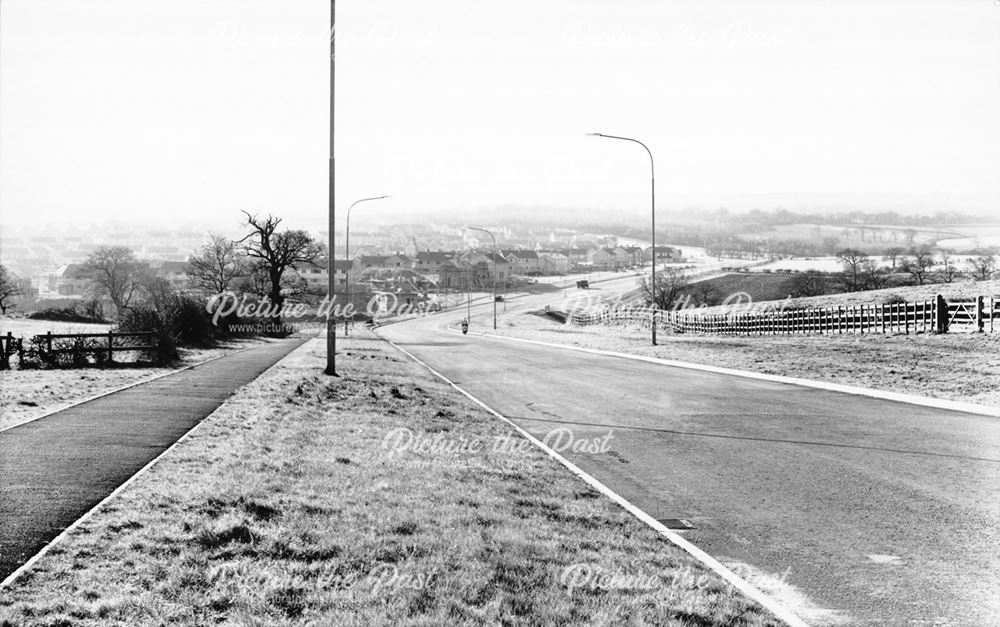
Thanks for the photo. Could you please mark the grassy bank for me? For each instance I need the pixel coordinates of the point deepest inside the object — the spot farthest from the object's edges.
(379, 497)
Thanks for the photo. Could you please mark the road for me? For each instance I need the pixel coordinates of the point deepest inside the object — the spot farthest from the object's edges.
(878, 512)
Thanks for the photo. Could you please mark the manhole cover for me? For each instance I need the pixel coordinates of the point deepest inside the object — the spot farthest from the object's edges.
(676, 523)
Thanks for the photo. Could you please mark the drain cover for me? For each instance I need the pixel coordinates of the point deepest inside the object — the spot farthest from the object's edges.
(676, 523)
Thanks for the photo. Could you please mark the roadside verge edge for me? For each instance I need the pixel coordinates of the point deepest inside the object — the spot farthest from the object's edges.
(780, 611)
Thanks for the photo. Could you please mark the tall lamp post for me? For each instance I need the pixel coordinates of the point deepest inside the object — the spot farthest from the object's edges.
(476, 228)
(347, 252)
(331, 330)
(652, 192)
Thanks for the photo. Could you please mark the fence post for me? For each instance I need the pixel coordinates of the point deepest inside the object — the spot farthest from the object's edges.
(6, 348)
(48, 341)
(941, 308)
(979, 313)
(111, 353)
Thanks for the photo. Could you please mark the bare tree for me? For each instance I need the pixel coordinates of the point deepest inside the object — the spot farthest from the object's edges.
(217, 265)
(276, 252)
(670, 283)
(918, 264)
(949, 271)
(983, 267)
(158, 292)
(873, 275)
(115, 272)
(893, 255)
(852, 261)
(10, 288)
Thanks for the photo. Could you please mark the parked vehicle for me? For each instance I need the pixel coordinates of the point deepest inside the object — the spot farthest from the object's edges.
(583, 285)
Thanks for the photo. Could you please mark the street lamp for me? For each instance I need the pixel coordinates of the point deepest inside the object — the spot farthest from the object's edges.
(331, 329)
(652, 191)
(347, 252)
(476, 228)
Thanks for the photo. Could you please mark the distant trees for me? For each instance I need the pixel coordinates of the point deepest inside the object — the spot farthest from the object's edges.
(275, 252)
(670, 284)
(115, 272)
(852, 262)
(861, 272)
(983, 267)
(873, 275)
(805, 285)
(10, 288)
(918, 264)
(893, 255)
(217, 266)
(949, 271)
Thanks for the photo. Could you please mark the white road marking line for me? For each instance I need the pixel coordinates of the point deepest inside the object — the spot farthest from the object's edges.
(779, 610)
(912, 399)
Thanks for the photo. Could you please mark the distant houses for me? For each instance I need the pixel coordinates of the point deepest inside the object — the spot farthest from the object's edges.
(664, 254)
(385, 261)
(430, 263)
(176, 273)
(524, 262)
(71, 282)
(610, 258)
(553, 262)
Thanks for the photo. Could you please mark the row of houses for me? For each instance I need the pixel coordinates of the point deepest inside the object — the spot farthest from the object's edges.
(532, 262)
(444, 269)
(71, 281)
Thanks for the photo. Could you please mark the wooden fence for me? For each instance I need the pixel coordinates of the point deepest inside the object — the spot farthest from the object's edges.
(933, 316)
(77, 345)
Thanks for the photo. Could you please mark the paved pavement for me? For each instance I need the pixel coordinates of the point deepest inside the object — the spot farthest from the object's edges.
(55, 469)
(881, 512)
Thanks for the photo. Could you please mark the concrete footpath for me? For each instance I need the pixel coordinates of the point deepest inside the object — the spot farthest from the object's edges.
(56, 468)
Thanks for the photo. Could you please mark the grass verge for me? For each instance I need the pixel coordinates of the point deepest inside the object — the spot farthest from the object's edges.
(379, 497)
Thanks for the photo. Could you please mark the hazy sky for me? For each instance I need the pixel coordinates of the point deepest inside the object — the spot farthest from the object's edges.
(189, 110)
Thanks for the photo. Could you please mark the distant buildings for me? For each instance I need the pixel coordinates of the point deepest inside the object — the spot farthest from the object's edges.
(664, 254)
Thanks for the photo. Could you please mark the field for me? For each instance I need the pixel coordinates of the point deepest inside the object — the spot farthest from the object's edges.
(802, 264)
(761, 286)
(296, 502)
(26, 327)
(857, 236)
(974, 236)
(959, 290)
(28, 394)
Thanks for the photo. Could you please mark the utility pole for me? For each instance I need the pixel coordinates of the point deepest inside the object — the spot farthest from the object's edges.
(331, 329)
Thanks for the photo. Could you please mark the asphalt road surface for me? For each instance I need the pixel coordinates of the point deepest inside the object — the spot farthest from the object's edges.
(56, 468)
(878, 512)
